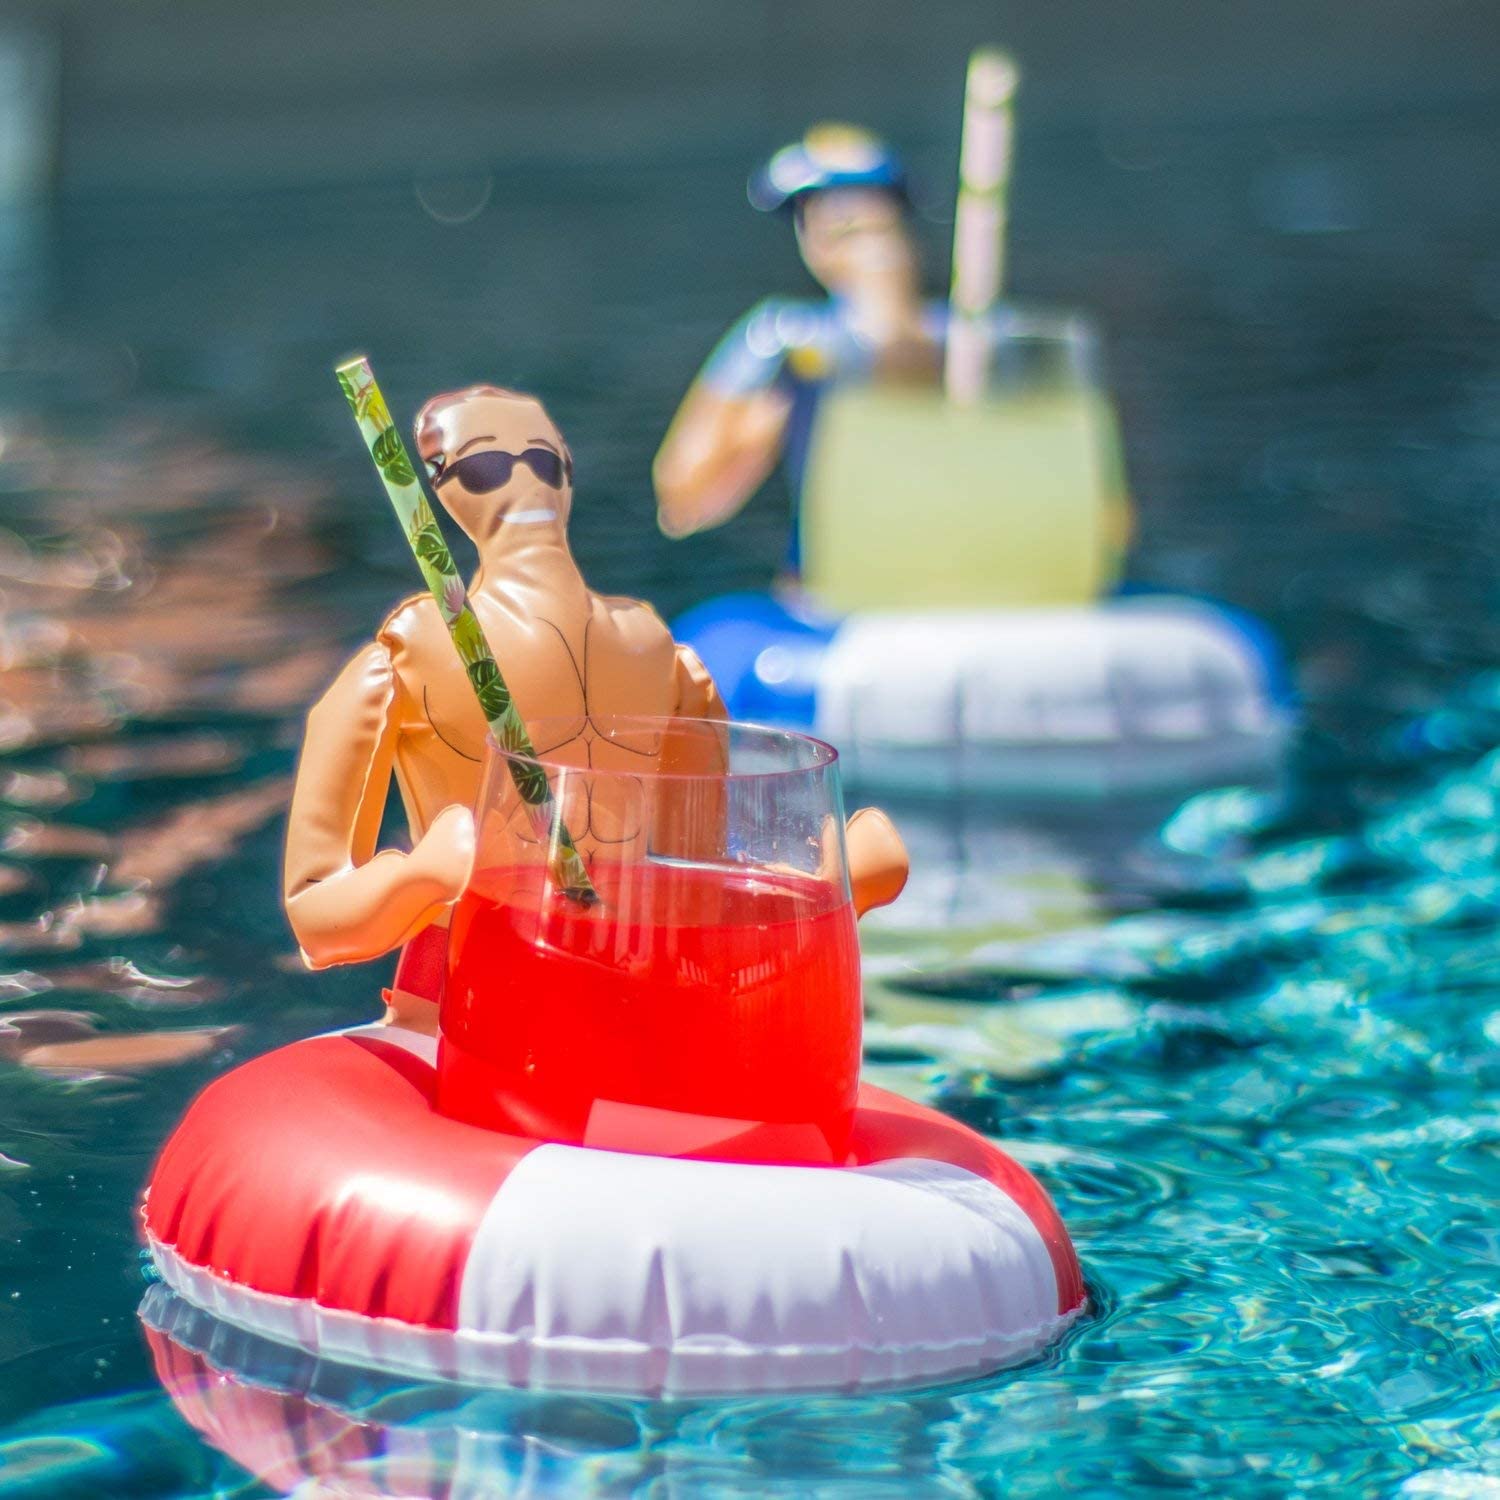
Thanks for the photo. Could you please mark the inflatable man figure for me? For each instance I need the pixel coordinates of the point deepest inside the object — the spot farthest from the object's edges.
(404, 707)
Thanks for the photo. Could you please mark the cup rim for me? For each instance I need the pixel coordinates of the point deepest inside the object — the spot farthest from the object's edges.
(1043, 322)
(824, 756)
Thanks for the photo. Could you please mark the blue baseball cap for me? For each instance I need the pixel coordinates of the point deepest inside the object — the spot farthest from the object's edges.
(828, 156)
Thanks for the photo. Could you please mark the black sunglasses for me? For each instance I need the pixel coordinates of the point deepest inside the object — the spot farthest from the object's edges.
(491, 470)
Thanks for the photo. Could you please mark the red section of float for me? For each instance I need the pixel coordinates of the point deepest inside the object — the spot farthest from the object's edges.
(322, 1172)
(282, 1438)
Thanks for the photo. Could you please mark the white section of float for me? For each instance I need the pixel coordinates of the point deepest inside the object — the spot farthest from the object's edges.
(1128, 695)
(643, 1273)
(604, 1271)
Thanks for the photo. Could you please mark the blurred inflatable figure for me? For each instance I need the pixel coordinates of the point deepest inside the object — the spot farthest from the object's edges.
(755, 400)
(789, 361)
(945, 457)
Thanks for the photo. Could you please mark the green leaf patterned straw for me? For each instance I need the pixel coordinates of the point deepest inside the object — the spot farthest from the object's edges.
(440, 572)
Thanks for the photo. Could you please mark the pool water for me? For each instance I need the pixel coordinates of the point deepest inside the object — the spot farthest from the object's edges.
(1250, 1040)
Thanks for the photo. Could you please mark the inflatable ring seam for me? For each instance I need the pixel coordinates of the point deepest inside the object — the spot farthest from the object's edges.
(187, 1281)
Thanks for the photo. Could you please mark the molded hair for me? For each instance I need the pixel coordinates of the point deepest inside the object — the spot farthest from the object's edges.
(429, 435)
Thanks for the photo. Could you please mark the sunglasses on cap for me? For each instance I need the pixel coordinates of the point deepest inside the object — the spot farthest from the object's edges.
(491, 470)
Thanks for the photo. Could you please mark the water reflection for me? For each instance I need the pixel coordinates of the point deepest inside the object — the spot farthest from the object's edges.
(119, 632)
(305, 1426)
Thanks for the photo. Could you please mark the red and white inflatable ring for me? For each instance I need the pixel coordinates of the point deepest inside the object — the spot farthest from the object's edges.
(315, 1196)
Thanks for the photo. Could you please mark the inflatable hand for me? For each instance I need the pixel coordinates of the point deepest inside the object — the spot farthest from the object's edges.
(878, 862)
(365, 910)
(444, 855)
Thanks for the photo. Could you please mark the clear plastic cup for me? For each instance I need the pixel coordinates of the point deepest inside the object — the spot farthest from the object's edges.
(708, 1003)
(1019, 500)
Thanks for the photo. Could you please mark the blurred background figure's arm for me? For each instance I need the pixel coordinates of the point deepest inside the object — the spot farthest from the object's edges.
(728, 433)
(717, 453)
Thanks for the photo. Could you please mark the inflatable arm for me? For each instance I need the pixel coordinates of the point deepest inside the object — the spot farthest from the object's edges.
(697, 694)
(716, 454)
(345, 902)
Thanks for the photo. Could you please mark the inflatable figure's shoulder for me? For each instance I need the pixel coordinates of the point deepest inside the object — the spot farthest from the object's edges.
(633, 622)
(415, 615)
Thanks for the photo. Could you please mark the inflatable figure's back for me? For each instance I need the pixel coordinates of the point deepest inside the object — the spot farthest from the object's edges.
(911, 502)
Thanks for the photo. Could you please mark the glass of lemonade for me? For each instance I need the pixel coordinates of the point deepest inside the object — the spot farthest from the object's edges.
(911, 502)
(708, 1003)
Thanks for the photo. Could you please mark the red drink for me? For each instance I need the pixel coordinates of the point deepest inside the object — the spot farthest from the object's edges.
(697, 1011)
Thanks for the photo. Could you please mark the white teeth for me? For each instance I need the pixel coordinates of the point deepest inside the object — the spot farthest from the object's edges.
(528, 517)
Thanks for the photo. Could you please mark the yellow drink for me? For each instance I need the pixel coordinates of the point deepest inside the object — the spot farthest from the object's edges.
(910, 502)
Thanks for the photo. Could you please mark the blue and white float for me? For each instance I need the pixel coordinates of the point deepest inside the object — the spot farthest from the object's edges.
(1137, 693)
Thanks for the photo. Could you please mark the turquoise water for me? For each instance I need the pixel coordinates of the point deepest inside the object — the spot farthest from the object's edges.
(1250, 1041)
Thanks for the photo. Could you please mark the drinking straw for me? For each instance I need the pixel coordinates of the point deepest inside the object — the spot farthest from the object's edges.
(440, 572)
(979, 225)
